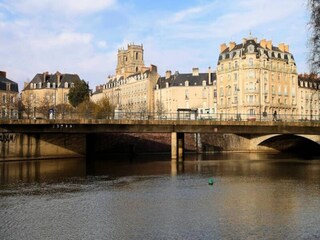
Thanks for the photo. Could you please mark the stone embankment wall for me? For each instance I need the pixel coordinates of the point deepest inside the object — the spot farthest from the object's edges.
(18, 146)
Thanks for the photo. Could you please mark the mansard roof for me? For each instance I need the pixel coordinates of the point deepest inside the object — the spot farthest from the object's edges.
(259, 49)
(179, 79)
(3, 84)
(45, 78)
(309, 81)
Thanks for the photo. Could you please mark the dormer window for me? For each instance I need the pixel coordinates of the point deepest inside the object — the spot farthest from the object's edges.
(48, 84)
(186, 83)
(250, 48)
(66, 84)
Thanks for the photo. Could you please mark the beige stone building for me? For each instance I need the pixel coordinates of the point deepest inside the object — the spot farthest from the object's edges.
(256, 79)
(309, 97)
(185, 92)
(131, 89)
(46, 95)
(9, 92)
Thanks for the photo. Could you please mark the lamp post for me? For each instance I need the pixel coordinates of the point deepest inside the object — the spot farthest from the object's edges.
(238, 115)
(228, 87)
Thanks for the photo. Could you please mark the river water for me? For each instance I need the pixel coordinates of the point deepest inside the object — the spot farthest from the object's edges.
(254, 196)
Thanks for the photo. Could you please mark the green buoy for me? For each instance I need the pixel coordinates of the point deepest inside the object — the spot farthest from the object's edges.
(210, 181)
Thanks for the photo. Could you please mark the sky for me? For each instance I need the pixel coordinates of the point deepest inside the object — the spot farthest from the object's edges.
(83, 36)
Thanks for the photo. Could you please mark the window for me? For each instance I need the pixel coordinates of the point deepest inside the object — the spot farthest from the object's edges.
(250, 48)
(250, 62)
(137, 56)
(186, 94)
(204, 93)
(235, 76)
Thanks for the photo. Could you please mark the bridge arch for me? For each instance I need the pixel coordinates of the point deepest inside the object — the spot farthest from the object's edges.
(305, 144)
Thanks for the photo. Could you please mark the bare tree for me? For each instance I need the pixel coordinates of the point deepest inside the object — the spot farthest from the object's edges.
(104, 109)
(44, 107)
(160, 109)
(314, 6)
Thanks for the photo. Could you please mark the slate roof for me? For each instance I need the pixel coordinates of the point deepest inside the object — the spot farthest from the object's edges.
(3, 84)
(243, 47)
(177, 79)
(44, 78)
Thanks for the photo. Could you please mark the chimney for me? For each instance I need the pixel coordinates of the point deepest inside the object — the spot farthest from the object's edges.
(223, 47)
(281, 47)
(263, 43)
(231, 45)
(3, 74)
(195, 71)
(45, 76)
(209, 75)
(269, 45)
(168, 74)
(153, 68)
(244, 40)
(58, 78)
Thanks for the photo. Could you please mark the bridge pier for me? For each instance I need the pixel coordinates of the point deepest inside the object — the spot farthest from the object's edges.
(177, 146)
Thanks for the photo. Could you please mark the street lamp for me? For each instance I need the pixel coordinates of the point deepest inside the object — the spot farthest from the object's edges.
(238, 115)
(228, 87)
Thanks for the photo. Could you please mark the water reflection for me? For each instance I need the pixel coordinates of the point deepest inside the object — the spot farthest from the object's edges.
(28, 171)
(254, 196)
(276, 166)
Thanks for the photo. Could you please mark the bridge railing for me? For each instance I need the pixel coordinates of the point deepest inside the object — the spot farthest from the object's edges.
(192, 116)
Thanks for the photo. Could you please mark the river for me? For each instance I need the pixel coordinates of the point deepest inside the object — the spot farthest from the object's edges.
(253, 196)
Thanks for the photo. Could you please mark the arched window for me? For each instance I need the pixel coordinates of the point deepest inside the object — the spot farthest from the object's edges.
(137, 56)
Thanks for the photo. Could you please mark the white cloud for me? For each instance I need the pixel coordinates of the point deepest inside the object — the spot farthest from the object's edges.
(182, 15)
(58, 7)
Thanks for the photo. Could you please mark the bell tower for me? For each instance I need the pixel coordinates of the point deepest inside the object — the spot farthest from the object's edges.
(130, 61)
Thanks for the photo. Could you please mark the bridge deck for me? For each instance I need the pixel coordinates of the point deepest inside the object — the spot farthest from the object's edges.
(161, 126)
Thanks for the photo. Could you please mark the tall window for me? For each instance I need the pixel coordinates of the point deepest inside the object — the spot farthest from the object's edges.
(250, 62)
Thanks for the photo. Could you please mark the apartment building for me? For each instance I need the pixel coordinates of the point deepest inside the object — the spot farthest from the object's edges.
(256, 79)
(46, 95)
(309, 97)
(9, 92)
(186, 92)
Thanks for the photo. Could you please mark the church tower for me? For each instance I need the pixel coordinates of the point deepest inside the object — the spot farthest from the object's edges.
(130, 61)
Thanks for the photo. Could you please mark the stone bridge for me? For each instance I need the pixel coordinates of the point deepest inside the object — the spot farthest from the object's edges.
(72, 134)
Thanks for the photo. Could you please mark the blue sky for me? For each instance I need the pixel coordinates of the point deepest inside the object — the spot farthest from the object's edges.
(83, 36)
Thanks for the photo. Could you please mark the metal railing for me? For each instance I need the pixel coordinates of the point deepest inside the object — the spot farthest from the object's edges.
(222, 116)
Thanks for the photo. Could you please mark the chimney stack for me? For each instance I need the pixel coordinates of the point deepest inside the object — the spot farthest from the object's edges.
(45, 76)
(223, 47)
(195, 71)
(231, 45)
(269, 45)
(263, 43)
(168, 74)
(209, 75)
(3, 74)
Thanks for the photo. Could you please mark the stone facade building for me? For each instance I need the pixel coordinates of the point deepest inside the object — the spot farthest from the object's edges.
(309, 97)
(131, 89)
(185, 92)
(255, 80)
(9, 92)
(47, 94)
